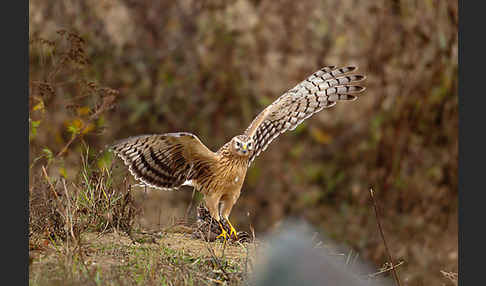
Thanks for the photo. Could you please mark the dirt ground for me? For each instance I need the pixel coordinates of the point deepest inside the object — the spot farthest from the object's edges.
(165, 256)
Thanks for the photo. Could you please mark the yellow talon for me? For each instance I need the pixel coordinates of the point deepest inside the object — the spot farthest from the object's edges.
(232, 229)
(223, 233)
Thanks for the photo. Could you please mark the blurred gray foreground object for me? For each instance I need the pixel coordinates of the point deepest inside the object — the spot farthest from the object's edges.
(292, 259)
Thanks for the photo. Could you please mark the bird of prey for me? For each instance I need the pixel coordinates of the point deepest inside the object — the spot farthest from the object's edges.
(168, 161)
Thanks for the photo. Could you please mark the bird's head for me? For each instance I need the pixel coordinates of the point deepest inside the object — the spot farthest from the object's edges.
(242, 145)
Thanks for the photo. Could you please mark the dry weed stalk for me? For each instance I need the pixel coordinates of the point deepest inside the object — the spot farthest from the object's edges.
(64, 81)
(95, 203)
(392, 266)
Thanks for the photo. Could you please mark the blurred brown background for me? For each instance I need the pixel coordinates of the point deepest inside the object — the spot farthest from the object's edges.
(209, 67)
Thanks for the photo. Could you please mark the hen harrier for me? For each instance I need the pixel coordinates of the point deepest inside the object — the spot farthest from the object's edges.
(168, 161)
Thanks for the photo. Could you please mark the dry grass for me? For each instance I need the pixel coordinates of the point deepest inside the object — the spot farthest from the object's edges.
(96, 202)
(83, 232)
(114, 259)
(169, 258)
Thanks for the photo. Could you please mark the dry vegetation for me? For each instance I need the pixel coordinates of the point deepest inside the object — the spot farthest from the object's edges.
(115, 259)
(104, 70)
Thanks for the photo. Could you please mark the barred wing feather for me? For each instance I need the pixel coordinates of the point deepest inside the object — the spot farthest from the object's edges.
(165, 161)
(320, 90)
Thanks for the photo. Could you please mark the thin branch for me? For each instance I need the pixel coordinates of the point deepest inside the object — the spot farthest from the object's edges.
(107, 101)
(69, 214)
(50, 184)
(395, 275)
(386, 269)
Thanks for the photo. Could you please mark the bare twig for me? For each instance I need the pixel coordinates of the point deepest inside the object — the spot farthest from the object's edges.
(386, 269)
(107, 101)
(50, 184)
(251, 227)
(395, 275)
(69, 218)
(216, 260)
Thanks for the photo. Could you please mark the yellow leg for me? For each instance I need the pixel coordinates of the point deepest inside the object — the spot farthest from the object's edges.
(224, 233)
(232, 229)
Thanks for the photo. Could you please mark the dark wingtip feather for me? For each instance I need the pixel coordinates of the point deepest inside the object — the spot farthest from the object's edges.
(349, 97)
(355, 89)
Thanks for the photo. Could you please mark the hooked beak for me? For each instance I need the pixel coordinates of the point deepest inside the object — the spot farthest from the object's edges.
(244, 148)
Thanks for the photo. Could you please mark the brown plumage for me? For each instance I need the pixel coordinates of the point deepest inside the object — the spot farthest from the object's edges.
(168, 161)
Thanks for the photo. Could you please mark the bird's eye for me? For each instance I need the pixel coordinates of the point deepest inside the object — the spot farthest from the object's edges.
(238, 144)
(249, 144)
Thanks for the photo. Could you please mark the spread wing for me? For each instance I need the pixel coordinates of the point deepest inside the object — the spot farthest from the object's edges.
(320, 90)
(165, 161)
